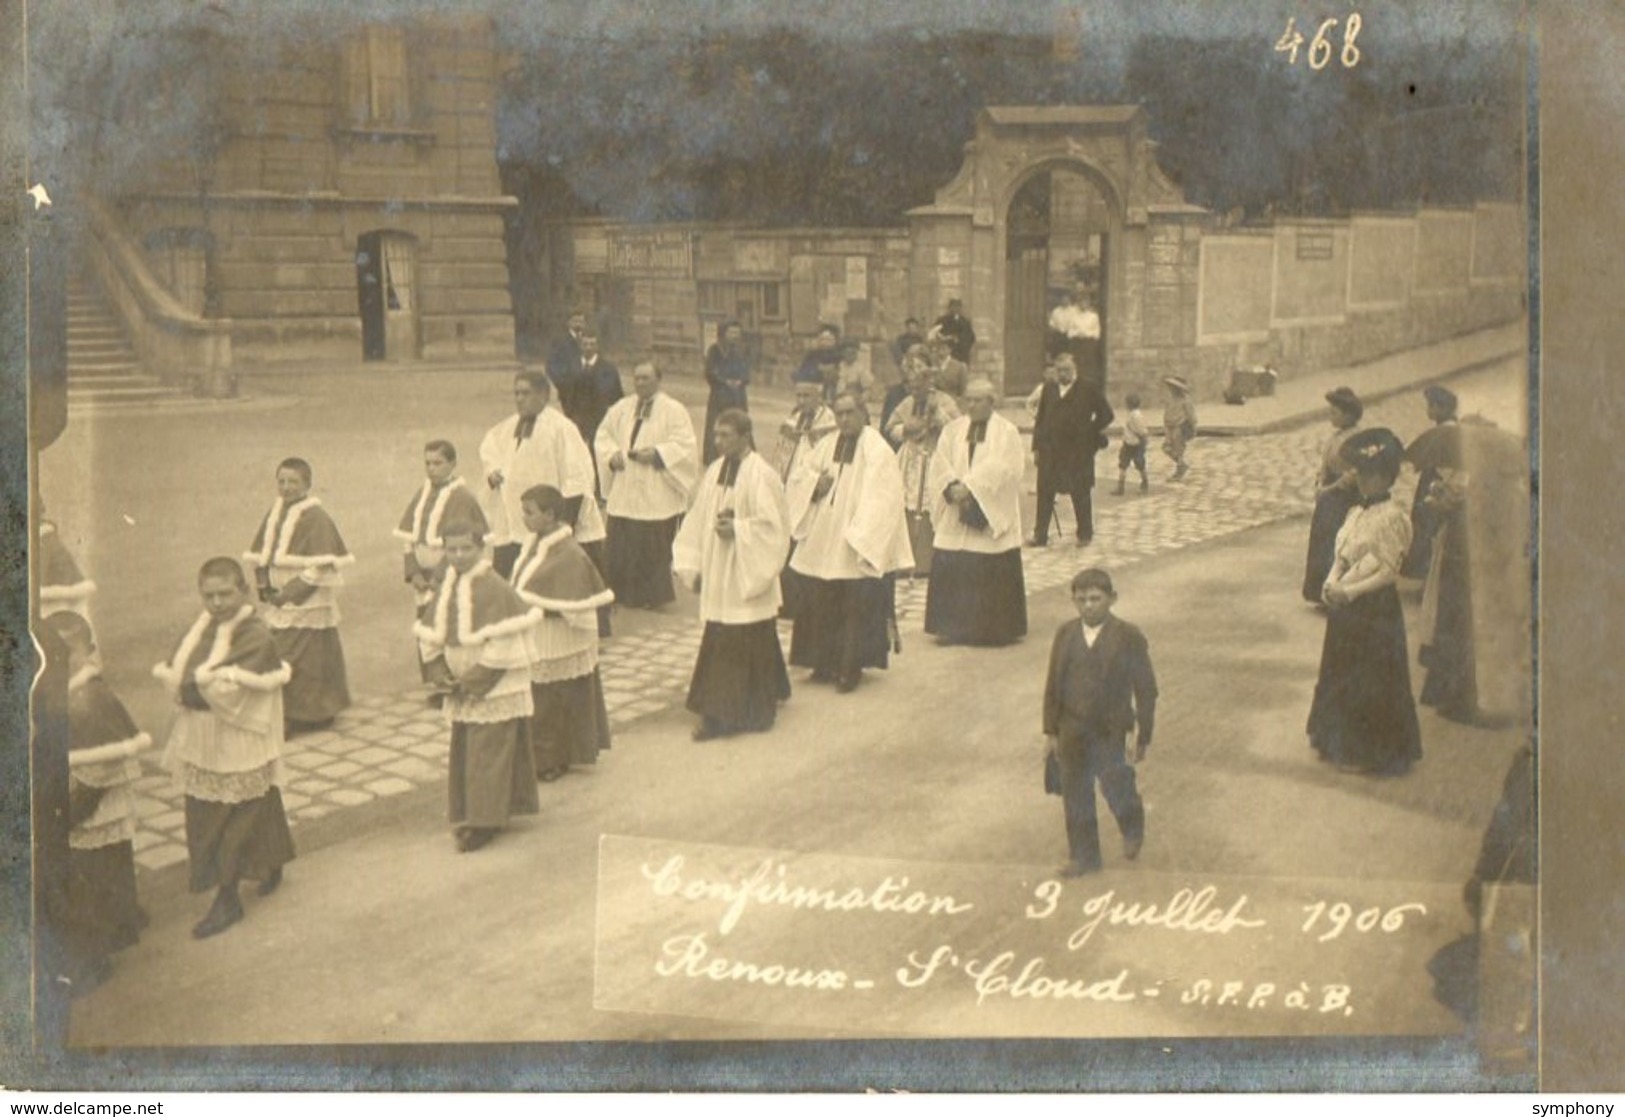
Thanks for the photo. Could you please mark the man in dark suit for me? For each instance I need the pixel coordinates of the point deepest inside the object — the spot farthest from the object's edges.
(1100, 689)
(601, 387)
(564, 369)
(1069, 429)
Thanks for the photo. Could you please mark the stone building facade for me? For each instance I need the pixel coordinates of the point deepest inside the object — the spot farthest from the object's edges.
(353, 210)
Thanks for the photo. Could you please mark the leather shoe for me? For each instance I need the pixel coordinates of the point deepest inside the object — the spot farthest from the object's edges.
(221, 916)
(271, 883)
(473, 838)
(1035, 541)
(1071, 870)
(1131, 846)
(846, 684)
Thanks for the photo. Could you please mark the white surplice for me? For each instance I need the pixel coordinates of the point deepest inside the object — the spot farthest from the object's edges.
(647, 492)
(994, 479)
(739, 577)
(857, 529)
(553, 454)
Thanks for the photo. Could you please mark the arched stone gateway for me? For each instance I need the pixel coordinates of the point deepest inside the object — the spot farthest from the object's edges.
(1049, 201)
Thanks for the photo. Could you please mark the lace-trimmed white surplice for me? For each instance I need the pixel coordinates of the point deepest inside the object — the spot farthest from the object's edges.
(503, 646)
(233, 753)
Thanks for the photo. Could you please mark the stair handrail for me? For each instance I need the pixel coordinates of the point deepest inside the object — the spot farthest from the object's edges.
(179, 346)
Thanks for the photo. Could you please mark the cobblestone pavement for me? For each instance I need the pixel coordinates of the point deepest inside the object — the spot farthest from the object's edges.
(388, 745)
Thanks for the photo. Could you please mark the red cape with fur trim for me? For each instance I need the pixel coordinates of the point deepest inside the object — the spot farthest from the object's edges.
(473, 608)
(564, 579)
(306, 536)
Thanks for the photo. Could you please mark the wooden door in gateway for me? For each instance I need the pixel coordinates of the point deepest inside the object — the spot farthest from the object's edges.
(1025, 315)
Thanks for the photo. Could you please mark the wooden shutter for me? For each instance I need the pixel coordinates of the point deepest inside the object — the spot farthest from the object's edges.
(357, 98)
(386, 49)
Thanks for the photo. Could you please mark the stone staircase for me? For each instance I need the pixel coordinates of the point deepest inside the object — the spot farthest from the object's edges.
(102, 367)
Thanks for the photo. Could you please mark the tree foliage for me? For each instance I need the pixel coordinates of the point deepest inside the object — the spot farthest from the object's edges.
(791, 127)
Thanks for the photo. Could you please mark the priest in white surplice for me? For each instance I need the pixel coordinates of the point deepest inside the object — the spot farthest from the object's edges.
(649, 462)
(846, 514)
(978, 594)
(731, 548)
(538, 445)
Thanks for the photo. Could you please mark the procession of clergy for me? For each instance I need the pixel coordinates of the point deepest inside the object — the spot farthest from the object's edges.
(514, 574)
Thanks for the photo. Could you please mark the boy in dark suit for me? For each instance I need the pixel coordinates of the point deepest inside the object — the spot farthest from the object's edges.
(1100, 688)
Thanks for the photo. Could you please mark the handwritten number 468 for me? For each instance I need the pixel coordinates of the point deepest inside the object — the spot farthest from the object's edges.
(1320, 47)
(1339, 916)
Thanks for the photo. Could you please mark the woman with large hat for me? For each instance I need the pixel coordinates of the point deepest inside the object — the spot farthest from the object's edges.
(1335, 491)
(1364, 717)
(1474, 620)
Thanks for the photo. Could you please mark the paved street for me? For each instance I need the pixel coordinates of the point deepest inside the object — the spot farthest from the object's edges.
(1209, 566)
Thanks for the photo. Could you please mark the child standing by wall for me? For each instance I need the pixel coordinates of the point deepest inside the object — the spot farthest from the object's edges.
(1178, 423)
(1132, 450)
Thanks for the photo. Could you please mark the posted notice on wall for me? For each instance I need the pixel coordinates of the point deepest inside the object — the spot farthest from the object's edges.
(882, 947)
(857, 278)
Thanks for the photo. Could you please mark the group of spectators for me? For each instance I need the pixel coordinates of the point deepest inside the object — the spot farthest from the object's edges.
(1460, 539)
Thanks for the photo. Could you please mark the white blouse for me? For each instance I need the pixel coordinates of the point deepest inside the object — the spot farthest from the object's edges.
(1371, 546)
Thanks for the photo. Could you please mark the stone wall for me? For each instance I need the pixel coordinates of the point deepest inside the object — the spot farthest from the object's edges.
(663, 290)
(1306, 295)
(1190, 297)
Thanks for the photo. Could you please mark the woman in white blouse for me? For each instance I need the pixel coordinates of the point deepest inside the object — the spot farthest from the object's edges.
(1363, 718)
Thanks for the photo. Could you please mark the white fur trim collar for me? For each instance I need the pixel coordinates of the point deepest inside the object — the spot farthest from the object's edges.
(430, 510)
(174, 672)
(112, 750)
(274, 551)
(535, 553)
(554, 605)
(462, 585)
(68, 591)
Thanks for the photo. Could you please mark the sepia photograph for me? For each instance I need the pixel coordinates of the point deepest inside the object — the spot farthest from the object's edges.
(774, 546)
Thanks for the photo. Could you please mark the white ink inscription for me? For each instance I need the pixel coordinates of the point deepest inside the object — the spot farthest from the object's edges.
(1320, 47)
(690, 956)
(1332, 998)
(770, 885)
(991, 978)
(1194, 912)
(1340, 914)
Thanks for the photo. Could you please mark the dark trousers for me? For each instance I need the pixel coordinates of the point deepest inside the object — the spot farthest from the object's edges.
(1081, 764)
(841, 625)
(503, 556)
(1082, 508)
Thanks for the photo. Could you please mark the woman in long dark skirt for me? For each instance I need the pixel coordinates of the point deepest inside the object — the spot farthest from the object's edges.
(1364, 718)
(1335, 492)
(1449, 682)
(727, 371)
